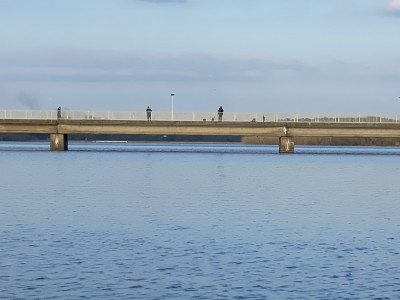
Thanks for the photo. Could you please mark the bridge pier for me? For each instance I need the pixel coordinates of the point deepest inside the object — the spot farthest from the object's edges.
(286, 144)
(58, 142)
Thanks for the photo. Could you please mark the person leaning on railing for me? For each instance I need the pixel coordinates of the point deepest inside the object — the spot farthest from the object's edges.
(148, 111)
(220, 113)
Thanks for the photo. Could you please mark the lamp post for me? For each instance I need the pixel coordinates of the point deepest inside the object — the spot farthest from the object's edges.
(172, 106)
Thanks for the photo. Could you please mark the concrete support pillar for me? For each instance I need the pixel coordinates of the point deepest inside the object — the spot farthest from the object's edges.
(58, 142)
(286, 144)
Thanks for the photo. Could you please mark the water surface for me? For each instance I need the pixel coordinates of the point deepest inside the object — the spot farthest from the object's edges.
(198, 221)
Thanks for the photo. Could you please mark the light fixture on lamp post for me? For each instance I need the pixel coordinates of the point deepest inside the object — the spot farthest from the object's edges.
(172, 106)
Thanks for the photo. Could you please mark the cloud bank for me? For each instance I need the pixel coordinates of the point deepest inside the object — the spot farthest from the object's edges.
(116, 66)
(393, 7)
(126, 80)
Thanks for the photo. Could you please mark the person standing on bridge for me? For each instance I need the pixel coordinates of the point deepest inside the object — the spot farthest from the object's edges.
(220, 113)
(148, 110)
(59, 112)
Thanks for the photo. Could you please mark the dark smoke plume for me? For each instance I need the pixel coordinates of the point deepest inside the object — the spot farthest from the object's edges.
(28, 101)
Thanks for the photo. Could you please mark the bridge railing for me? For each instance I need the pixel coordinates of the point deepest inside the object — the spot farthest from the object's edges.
(199, 116)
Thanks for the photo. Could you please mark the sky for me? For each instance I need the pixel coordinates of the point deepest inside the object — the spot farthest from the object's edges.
(282, 56)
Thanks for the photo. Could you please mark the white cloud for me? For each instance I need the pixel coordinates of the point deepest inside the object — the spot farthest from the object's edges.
(170, 1)
(393, 6)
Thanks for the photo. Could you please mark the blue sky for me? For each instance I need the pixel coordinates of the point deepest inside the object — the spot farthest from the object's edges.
(323, 56)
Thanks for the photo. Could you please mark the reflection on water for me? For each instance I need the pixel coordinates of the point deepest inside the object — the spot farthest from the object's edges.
(184, 221)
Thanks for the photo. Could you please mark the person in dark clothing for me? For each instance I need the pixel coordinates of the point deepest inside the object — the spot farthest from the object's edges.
(59, 112)
(148, 110)
(220, 113)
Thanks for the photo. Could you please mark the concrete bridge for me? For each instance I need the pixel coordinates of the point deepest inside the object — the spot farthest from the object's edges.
(252, 127)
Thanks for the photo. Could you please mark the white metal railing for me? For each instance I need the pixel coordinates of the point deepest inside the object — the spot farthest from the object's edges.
(199, 116)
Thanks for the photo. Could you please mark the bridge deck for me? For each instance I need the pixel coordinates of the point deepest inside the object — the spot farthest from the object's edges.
(276, 129)
(286, 130)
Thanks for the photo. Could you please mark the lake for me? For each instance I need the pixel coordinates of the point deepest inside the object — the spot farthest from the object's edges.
(198, 221)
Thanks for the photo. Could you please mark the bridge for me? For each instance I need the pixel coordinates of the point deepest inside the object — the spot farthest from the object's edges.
(252, 127)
